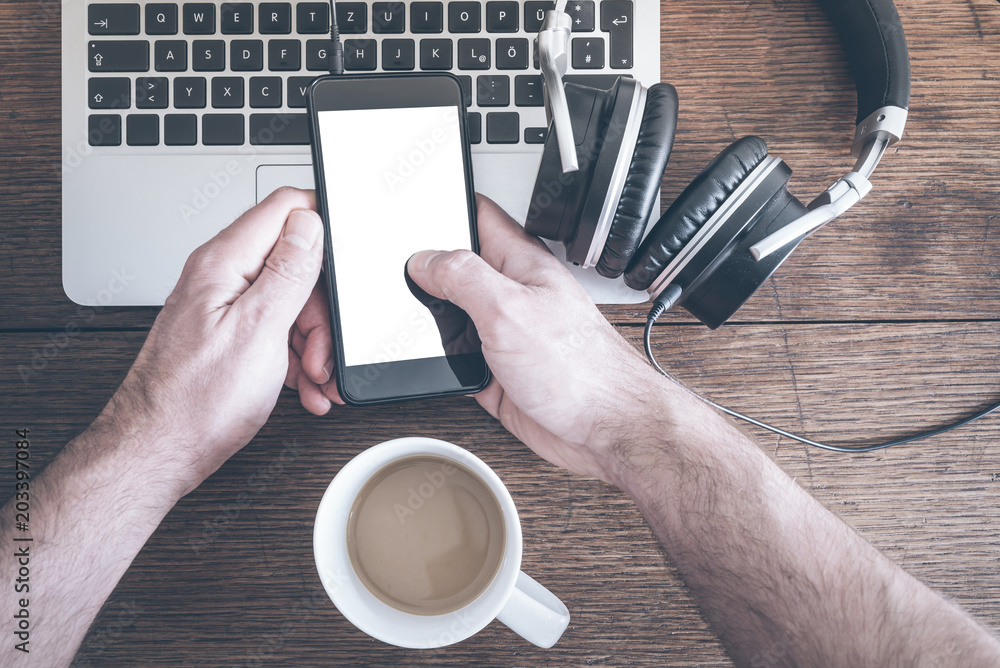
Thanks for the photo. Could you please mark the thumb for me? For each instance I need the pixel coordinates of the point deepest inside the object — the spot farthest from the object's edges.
(290, 270)
(464, 279)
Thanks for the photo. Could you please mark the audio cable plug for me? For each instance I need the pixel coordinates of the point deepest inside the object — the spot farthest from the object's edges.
(335, 57)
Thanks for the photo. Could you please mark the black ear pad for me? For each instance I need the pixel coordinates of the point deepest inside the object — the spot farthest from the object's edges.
(693, 208)
(649, 160)
(733, 275)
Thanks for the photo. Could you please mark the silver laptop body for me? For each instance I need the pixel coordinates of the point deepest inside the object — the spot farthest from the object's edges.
(135, 206)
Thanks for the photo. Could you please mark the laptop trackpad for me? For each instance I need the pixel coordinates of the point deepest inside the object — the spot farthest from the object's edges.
(272, 177)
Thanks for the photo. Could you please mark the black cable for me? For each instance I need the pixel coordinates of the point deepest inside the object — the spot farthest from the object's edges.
(335, 57)
(670, 296)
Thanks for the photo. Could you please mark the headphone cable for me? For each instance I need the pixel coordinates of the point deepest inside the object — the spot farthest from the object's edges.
(335, 58)
(667, 299)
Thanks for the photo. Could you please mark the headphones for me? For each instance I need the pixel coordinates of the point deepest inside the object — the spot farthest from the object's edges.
(730, 229)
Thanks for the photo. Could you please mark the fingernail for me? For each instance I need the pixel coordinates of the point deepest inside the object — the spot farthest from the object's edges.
(303, 228)
(420, 261)
(327, 371)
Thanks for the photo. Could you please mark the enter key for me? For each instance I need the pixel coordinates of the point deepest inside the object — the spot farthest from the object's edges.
(617, 19)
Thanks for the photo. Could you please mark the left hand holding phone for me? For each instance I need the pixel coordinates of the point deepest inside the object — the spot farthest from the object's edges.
(214, 360)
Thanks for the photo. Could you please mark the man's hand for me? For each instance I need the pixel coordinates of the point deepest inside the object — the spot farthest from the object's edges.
(565, 382)
(215, 359)
(768, 565)
(205, 381)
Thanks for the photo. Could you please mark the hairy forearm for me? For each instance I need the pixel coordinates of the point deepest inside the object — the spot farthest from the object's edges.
(781, 579)
(92, 509)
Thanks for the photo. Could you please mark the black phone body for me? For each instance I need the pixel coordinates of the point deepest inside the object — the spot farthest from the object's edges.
(394, 177)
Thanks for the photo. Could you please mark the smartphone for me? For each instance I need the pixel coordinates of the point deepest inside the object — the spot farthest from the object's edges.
(393, 177)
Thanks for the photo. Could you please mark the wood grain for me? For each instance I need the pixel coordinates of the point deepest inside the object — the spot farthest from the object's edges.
(229, 582)
(883, 323)
(922, 246)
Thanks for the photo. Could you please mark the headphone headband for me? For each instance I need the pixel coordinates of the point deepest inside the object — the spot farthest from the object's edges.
(876, 48)
(873, 37)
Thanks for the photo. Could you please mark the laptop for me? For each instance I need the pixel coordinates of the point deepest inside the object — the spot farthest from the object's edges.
(178, 117)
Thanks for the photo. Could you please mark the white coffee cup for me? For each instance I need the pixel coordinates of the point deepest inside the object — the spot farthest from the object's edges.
(525, 606)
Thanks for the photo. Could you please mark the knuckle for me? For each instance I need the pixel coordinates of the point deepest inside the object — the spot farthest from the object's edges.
(452, 263)
(286, 192)
(456, 268)
(289, 197)
(294, 264)
(286, 266)
(200, 267)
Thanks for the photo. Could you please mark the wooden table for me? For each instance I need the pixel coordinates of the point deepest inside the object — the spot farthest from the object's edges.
(883, 323)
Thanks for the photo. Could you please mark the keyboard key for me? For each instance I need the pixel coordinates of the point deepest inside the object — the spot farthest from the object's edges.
(208, 55)
(180, 129)
(161, 19)
(142, 130)
(312, 18)
(359, 54)
(473, 54)
(279, 129)
(275, 18)
(284, 55)
(435, 54)
(190, 93)
(493, 91)
(602, 81)
(426, 17)
(237, 18)
(227, 93)
(474, 120)
(104, 130)
(317, 55)
(466, 82)
(222, 129)
(113, 19)
(464, 17)
(588, 53)
(199, 18)
(118, 56)
(503, 127)
(528, 91)
(170, 55)
(582, 13)
(535, 135)
(534, 14)
(616, 18)
(297, 87)
(388, 17)
(109, 93)
(265, 92)
(501, 16)
(512, 53)
(246, 55)
(352, 18)
(398, 54)
(152, 92)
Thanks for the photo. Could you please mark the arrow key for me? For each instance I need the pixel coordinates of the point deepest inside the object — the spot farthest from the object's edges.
(617, 19)
(113, 93)
(107, 19)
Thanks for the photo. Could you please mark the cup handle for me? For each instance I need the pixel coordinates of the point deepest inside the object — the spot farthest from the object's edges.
(534, 613)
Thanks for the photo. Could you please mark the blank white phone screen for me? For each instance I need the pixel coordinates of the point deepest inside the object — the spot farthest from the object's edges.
(395, 184)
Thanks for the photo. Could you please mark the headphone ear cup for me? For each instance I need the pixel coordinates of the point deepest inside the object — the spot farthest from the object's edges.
(693, 208)
(642, 184)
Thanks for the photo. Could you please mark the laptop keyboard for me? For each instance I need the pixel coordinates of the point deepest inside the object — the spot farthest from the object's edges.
(235, 74)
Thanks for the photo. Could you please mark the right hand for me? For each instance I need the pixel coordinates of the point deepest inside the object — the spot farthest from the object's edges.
(565, 382)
